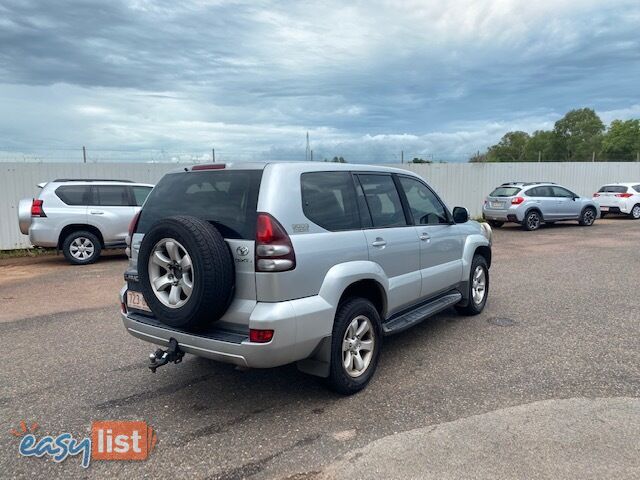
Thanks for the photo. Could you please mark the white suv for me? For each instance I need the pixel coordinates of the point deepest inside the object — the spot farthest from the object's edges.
(619, 198)
(261, 265)
(81, 217)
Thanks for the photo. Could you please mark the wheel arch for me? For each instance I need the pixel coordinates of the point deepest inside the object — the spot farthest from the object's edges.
(533, 209)
(77, 227)
(368, 289)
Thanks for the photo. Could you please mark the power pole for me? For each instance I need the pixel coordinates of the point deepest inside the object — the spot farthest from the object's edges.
(307, 150)
(593, 157)
(312, 155)
(401, 156)
(213, 155)
(84, 154)
(539, 156)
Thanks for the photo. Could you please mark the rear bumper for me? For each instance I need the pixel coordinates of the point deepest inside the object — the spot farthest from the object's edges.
(508, 215)
(298, 325)
(42, 235)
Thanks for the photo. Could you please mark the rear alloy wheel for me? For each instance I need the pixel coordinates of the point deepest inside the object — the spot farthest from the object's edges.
(81, 248)
(532, 221)
(588, 217)
(355, 346)
(635, 212)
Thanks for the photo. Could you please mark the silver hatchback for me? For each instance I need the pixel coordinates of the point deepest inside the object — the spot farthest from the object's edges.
(532, 203)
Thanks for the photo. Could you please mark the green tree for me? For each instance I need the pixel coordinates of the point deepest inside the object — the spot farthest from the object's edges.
(578, 135)
(511, 148)
(478, 158)
(622, 141)
(540, 146)
(338, 160)
(419, 160)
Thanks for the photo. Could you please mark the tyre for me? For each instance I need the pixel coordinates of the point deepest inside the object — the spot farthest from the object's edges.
(81, 248)
(355, 346)
(495, 223)
(532, 220)
(635, 212)
(588, 217)
(478, 287)
(186, 272)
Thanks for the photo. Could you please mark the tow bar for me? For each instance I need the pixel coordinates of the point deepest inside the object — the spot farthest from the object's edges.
(162, 357)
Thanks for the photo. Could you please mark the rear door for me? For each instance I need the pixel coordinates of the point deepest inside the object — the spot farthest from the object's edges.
(392, 242)
(441, 241)
(111, 211)
(542, 197)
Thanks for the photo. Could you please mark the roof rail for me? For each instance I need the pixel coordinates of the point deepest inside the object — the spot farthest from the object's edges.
(92, 180)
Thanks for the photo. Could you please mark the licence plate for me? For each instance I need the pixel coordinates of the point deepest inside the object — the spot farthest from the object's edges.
(497, 204)
(136, 300)
(604, 209)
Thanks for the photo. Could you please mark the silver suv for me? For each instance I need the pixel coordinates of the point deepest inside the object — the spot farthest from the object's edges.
(81, 217)
(532, 203)
(314, 263)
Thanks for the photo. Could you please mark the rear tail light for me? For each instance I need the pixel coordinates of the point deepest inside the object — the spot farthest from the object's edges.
(133, 224)
(624, 195)
(260, 336)
(517, 200)
(596, 195)
(36, 208)
(274, 251)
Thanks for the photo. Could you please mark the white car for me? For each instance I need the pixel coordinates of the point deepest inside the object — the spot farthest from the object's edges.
(619, 198)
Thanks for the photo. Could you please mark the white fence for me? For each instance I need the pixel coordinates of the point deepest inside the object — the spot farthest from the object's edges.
(463, 184)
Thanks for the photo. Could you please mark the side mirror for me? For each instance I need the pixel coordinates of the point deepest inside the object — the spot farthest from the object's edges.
(460, 215)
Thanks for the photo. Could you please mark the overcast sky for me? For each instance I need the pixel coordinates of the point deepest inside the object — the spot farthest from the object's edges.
(366, 79)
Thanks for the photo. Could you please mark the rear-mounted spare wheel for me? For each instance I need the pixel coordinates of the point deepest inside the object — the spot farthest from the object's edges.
(186, 272)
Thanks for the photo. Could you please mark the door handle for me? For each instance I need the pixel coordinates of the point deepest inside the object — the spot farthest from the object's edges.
(96, 212)
(424, 236)
(379, 242)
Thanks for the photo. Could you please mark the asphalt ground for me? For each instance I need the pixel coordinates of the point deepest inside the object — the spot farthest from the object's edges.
(556, 350)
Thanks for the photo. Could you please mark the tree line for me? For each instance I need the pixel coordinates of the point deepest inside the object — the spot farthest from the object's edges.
(579, 136)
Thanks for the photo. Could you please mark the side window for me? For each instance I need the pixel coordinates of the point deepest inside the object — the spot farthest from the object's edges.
(329, 200)
(74, 194)
(562, 192)
(383, 200)
(636, 188)
(113, 196)
(140, 194)
(534, 192)
(424, 205)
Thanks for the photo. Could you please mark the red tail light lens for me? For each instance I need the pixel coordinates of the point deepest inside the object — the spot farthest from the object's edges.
(133, 225)
(36, 208)
(274, 251)
(209, 166)
(260, 336)
(624, 195)
(596, 195)
(517, 200)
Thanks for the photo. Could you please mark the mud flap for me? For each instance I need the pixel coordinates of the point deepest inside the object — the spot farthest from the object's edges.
(319, 362)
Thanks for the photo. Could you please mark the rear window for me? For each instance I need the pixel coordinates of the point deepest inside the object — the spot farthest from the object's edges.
(329, 200)
(505, 192)
(74, 194)
(613, 189)
(228, 199)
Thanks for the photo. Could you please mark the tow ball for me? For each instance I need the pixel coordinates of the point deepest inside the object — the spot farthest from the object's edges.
(162, 357)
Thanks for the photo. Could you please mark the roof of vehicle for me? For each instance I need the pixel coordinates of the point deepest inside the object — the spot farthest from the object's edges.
(298, 166)
(525, 184)
(94, 181)
(621, 184)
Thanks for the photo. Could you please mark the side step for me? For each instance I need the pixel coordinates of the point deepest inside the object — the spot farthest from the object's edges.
(420, 313)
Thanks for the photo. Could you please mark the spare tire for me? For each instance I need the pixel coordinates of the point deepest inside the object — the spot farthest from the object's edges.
(186, 272)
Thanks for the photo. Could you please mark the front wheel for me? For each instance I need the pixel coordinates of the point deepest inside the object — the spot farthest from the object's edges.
(81, 248)
(588, 217)
(355, 346)
(478, 289)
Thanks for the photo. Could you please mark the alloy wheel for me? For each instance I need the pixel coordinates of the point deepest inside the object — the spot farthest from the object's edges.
(82, 248)
(358, 346)
(171, 273)
(478, 285)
